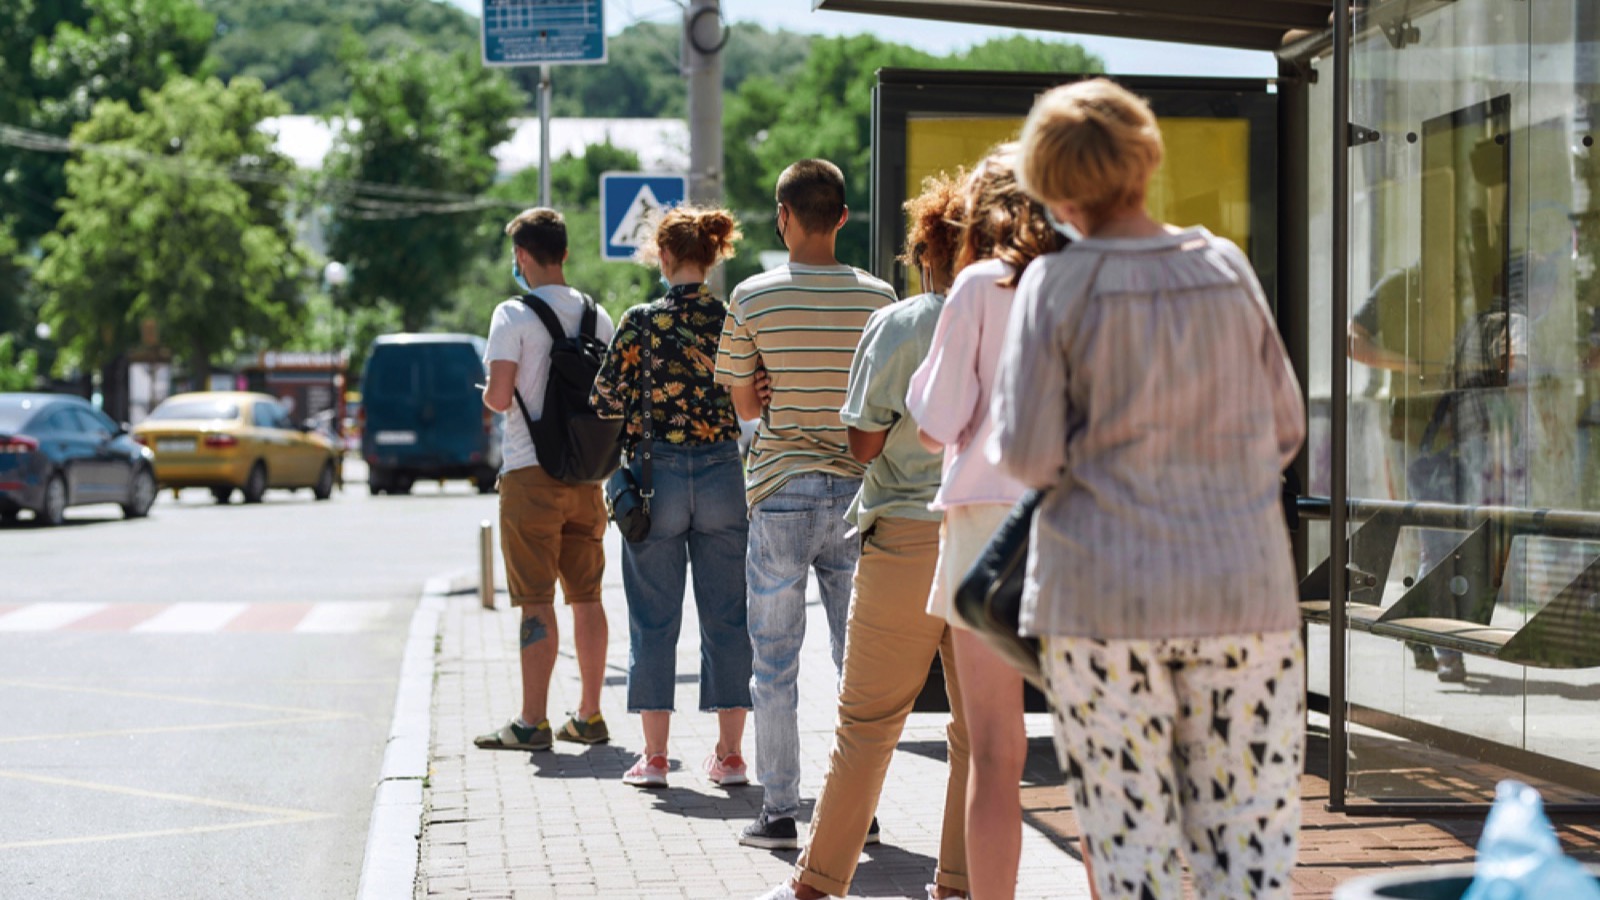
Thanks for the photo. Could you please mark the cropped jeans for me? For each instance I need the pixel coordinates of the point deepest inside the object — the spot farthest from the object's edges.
(697, 524)
(798, 529)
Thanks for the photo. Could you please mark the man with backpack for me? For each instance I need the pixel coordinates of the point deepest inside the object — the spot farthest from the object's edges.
(552, 515)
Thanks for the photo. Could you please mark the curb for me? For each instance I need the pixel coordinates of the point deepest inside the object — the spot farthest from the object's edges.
(389, 868)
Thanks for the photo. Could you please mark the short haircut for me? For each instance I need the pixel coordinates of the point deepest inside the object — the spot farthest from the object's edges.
(542, 232)
(698, 235)
(1092, 143)
(933, 225)
(813, 189)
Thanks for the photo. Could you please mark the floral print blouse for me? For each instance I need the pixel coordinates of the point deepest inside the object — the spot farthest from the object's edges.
(683, 329)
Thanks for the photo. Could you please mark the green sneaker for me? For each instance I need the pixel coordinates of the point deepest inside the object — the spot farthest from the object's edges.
(512, 736)
(585, 731)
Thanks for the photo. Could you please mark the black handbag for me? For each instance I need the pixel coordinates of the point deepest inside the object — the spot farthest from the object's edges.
(628, 495)
(989, 599)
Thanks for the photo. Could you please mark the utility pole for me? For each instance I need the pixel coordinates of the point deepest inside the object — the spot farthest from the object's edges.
(703, 39)
(544, 135)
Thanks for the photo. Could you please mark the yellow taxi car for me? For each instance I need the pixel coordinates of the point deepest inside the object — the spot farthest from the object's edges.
(225, 440)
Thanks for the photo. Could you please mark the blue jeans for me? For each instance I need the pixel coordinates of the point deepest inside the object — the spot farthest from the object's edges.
(797, 529)
(696, 517)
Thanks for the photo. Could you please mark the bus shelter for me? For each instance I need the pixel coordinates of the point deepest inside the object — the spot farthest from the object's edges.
(1417, 189)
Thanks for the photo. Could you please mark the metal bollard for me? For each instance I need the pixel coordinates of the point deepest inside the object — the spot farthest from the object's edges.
(486, 564)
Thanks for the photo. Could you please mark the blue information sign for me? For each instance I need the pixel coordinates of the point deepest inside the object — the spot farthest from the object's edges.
(630, 202)
(538, 32)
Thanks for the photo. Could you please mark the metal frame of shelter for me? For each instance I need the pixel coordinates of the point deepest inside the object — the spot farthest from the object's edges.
(1297, 32)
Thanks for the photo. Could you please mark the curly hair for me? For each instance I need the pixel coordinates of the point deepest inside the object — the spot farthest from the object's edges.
(934, 225)
(697, 235)
(1000, 220)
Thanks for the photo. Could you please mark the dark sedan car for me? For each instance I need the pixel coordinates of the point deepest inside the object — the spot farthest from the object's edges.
(57, 451)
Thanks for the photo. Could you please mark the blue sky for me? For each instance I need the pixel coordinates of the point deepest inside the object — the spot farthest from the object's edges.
(1123, 57)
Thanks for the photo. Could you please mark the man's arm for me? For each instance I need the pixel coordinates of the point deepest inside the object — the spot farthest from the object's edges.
(747, 401)
(502, 381)
(865, 446)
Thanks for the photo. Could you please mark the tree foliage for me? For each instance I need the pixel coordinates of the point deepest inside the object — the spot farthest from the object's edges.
(294, 47)
(425, 121)
(176, 219)
(58, 58)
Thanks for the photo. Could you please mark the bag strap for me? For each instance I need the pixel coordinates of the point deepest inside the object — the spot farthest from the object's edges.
(552, 322)
(647, 445)
(591, 317)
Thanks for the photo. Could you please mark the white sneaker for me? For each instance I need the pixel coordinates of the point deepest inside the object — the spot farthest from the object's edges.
(648, 772)
(781, 892)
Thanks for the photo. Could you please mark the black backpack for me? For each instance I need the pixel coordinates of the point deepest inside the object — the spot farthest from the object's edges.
(575, 445)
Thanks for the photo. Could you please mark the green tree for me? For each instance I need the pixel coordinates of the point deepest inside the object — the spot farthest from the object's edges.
(176, 218)
(19, 369)
(294, 47)
(427, 123)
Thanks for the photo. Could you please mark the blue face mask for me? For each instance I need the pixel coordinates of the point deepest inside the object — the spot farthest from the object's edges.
(665, 284)
(1065, 229)
(517, 274)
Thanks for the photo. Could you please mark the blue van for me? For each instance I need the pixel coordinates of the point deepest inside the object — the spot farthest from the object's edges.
(424, 415)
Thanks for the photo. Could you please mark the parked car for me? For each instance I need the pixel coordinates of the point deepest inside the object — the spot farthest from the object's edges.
(227, 440)
(423, 413)
(57, 451)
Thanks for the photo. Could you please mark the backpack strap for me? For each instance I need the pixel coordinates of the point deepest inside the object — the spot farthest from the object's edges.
(552, 323)
(591, 318)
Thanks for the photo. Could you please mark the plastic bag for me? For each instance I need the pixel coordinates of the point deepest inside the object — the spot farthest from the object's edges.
(1519, 857)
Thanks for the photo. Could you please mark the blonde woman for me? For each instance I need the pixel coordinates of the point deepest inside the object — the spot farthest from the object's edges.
(1145, 384)
(698, 513)
(1003, 231)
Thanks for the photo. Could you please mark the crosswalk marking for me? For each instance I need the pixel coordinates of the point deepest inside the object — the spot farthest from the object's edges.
(340, 617)
(48, 616)
(330, 617)
(186, 618)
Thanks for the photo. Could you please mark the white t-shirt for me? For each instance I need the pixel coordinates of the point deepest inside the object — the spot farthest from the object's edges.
(516, 335)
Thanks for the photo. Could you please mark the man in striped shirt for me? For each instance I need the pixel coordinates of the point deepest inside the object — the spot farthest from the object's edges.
(800, 323)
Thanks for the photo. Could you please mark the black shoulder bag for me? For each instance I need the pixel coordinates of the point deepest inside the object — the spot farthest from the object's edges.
(627, 496)
(989, 599)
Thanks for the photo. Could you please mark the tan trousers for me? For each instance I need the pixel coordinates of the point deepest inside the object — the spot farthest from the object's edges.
(889, 646)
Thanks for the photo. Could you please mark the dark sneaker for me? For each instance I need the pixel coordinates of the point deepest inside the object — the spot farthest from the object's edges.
(771, 833)
(585, 731)
(512, 736)
(872, 832)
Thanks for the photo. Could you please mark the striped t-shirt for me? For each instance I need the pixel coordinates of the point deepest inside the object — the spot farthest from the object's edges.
(802, 323)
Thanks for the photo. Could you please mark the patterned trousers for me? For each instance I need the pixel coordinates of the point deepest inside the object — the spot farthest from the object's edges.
(1181, 748)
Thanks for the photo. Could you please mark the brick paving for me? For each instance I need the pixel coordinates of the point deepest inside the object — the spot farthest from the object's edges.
(562, 824)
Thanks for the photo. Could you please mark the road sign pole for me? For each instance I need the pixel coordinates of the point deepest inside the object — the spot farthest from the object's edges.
(703, 39)
(544, 136)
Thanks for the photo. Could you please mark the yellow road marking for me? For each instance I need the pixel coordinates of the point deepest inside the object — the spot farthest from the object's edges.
(166, 832)
(173, 729)
(295, 814)
(173, 698)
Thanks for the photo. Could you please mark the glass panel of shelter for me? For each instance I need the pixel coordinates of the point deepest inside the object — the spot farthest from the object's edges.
(1473, 338)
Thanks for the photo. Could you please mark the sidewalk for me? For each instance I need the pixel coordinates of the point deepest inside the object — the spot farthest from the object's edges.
(562, 824)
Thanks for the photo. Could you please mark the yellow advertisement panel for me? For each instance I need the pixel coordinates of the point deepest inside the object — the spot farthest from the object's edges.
(1205, 179)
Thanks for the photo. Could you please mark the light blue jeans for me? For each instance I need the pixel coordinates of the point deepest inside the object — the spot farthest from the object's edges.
(697, 524)
(798, 529)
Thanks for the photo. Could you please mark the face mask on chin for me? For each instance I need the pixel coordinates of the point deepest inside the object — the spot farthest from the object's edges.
(1065, 229)
(777, 229)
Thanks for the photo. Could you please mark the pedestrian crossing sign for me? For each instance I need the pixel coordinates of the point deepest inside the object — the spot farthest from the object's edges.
(630, 204)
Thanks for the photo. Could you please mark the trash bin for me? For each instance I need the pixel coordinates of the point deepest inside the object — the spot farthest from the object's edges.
(1437, 883)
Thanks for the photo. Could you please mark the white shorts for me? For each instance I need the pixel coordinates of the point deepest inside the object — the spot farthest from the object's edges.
(965, 532)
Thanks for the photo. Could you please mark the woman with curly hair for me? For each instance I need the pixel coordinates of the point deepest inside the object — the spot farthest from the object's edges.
(890, 639)
(698, 518)
(1145, 385)
(1003, 232)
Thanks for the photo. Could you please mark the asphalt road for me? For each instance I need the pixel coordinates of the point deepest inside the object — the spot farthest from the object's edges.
(196, 705)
